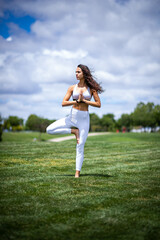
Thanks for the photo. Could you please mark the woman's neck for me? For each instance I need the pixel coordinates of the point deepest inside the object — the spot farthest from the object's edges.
(81, 83)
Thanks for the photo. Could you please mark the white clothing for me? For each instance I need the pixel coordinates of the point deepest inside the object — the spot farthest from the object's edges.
(86, 94)
(78, 119)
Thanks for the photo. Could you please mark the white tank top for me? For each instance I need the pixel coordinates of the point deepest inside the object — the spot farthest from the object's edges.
(86, 94)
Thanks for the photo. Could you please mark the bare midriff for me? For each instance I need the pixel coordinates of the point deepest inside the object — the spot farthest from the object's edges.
(81, 106)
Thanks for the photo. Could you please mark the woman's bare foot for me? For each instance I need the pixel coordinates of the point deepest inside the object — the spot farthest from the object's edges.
(77, 174)
(76, 133)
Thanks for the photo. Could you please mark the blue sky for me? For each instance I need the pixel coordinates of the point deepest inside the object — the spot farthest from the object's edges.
(42, 42)
(23, 22)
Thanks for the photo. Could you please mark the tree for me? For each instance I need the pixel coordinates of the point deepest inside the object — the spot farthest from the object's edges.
(156, 114)
(125, 121)
(13, 122)
(138, 115)
(36, 123)
(143, 115)
(33, 123)
(1, 128)
(108, 122)
(95, 124)
(151, 120)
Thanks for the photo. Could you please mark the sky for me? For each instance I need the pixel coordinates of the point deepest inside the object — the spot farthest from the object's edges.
(42, 42)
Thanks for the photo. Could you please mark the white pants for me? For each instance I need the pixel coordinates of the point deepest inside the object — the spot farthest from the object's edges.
(78, 119)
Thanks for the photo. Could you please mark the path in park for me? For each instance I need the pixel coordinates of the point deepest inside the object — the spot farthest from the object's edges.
(60, 139)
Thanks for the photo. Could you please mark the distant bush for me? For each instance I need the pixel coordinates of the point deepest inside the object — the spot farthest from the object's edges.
(1, 128)
(36, 123)
(17, 128)
(1, 131)
(13, 123)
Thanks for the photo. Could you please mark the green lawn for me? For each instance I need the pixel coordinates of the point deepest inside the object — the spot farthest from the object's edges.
(116, 197)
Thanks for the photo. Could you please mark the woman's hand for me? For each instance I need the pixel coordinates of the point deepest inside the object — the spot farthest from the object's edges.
(80, 96)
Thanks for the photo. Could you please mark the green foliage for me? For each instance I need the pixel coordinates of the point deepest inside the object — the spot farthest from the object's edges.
(116, 197)
(94, 119)
(96, 128)
(157, 114)
(144, 115)
(94, 123)
(13, 122)
(108, 122)
(126, 120)
(17, 128)
(1, 128)
(33, 123)
(36, 123)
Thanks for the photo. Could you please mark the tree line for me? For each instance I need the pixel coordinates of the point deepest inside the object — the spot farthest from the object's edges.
(145, 115)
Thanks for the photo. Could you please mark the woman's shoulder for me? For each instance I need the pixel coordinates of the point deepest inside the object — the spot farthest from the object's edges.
(71, 88)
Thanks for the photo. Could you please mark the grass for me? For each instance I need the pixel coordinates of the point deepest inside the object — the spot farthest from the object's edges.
(116, 197)
(27, 136)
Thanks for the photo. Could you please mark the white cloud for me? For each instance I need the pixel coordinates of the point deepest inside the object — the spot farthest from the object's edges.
(9, 39)
(118, 39)
(64, 54)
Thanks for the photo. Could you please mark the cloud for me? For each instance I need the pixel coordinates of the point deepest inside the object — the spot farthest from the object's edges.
(65, 54)
(9, 39)
(117, 39)
(16, 74)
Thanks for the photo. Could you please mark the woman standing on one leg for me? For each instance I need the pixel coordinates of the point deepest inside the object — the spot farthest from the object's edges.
(79, 115)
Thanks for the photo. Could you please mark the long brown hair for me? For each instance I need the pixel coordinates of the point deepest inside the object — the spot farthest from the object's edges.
(89, 79)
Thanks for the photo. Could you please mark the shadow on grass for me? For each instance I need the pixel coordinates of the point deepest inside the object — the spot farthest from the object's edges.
(86, 175)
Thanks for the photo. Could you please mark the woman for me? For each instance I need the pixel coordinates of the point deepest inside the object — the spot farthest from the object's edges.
(79, 115)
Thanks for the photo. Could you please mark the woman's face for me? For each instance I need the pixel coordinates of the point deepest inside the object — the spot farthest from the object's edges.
(79, 73)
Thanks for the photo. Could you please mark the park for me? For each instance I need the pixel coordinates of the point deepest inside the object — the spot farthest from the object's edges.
(116, 197)
(95, 66)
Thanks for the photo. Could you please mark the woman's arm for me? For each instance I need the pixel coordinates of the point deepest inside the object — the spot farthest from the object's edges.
(66, 101)
(97, 102)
